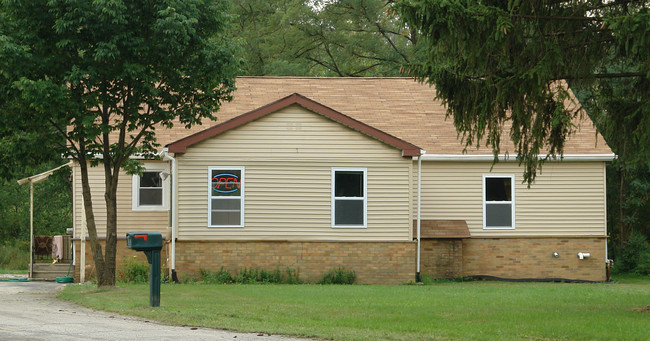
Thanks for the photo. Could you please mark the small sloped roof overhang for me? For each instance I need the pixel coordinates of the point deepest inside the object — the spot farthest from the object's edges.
(408, 149)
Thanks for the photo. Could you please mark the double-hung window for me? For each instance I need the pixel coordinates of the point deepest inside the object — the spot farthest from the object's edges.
(149, 189)
(226, 197)
(349, 197)
(498, 202)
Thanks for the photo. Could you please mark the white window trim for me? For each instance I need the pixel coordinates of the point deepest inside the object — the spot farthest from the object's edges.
(135, 189)
(364, 198)
(511, 202)
(241, 197)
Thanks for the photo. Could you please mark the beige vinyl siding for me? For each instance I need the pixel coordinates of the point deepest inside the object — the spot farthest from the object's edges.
(127, 219)
(567, 199)
(288, 158)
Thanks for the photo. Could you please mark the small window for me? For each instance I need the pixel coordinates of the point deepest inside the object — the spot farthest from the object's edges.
(498, 202)
(348, 197)
(226, 199)
(151, 189)
(148, 193)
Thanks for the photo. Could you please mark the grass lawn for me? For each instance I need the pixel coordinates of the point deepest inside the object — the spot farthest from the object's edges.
(440, 311)
(12, 271)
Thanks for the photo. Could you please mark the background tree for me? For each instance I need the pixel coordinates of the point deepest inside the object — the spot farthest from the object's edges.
(323, 38)
(270, 41)
(496, 62)
(618, 108)
(104, 74)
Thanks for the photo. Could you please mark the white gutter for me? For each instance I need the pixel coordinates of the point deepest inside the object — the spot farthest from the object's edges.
(172, 208)
(513, 158)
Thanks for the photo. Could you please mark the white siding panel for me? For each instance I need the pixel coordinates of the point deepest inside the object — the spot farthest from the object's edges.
(127, 219)
(288, 157)
(567, 199)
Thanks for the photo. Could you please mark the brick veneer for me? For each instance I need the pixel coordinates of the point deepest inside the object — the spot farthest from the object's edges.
(121, 254)
(388, 262)
(533, 258)
(441, 258)
(373, 262)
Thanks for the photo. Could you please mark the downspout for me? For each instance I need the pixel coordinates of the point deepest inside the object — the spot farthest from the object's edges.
(31, 230)
(418, 278)
(82, 252)
(172, 210)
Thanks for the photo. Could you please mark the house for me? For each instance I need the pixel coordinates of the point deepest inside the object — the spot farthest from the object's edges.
(317, 173)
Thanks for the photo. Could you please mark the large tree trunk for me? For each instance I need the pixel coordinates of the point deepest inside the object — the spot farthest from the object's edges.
(110, 197)
(95, 247)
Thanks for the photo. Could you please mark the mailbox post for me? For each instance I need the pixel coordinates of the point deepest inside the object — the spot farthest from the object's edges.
(151, 244)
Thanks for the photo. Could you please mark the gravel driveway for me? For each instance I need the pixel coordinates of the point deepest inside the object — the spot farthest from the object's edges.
(30, 311)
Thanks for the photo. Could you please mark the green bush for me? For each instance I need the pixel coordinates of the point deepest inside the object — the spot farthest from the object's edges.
(643, 267)
(292, 277)
(251, 276)
(133, 271)
(635, 256)
(222, 276)
(14, 255)
(339, 276)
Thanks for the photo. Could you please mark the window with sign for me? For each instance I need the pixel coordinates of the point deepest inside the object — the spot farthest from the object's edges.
(349, 197)
(226, 198)
(498, 202)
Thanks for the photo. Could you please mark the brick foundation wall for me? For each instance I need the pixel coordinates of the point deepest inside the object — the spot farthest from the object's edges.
(515, 258)
(122, 253)
(387, 262)
(441, 258)
(373, 262)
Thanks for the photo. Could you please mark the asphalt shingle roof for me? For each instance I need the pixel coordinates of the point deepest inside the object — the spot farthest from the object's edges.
(400, 107)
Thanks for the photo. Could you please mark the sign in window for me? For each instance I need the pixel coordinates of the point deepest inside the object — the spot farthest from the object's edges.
(226, 197)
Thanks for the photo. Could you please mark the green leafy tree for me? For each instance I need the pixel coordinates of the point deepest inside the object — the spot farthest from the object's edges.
(354, 38)
(498, 63)
(619, 107)
(270, 40)
(323, 38)
(52, 209)
(104, 74)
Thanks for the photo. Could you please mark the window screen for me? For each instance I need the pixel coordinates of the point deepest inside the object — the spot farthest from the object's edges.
(497, 199)
(150, 192)
(349, 202)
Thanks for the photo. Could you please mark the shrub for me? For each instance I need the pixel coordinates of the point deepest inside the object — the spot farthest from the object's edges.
(339, 276)
(14, 255)
(643, 267)
(251, 276)
(634, 256)
(247, 276)
(292, 277)
(133, 271)
(222, 276)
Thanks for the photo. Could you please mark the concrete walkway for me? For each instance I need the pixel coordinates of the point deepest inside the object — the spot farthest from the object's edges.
(30, 311)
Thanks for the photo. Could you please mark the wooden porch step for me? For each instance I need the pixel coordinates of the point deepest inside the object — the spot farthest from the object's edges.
(49, 272)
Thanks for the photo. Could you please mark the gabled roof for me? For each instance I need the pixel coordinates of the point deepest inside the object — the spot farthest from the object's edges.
(399, 107)
(181, 145)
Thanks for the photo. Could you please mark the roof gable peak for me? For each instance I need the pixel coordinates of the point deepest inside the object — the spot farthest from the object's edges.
(180, 146)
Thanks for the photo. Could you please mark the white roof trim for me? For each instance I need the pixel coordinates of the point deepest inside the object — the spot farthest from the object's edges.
(512, 158)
